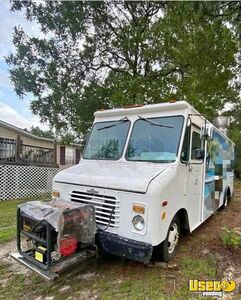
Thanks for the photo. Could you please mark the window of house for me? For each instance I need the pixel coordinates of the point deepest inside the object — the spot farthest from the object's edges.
(7, 148)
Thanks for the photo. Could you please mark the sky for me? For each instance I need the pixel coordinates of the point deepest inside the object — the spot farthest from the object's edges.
(12, 109)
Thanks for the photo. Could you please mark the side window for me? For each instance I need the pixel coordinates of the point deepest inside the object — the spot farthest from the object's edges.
(196, 143)
(185, 146)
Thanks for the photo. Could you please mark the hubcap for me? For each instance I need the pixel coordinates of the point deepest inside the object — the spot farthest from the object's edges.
(173, 238)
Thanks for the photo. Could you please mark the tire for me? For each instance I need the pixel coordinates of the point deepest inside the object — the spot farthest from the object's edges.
(169, 246)
(226, 200)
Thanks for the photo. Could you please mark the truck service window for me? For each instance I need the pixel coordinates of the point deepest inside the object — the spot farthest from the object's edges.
(155, 139)
(107, 140)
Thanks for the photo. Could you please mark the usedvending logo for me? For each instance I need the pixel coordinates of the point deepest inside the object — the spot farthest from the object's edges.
(211, 287)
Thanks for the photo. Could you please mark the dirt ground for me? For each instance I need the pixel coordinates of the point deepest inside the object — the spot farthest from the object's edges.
(206, 237)
(201, 255)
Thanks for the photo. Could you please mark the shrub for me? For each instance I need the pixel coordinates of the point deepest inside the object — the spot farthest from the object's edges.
(231, 237)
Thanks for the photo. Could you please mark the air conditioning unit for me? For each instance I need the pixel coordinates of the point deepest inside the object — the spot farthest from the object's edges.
(222, 123)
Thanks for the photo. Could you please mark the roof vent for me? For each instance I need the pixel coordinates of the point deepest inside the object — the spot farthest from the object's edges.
(222, 123)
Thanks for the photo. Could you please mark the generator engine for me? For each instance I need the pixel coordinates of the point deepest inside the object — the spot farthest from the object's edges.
(48, 232)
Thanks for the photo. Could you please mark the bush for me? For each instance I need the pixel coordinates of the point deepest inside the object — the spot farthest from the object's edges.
(231, 237)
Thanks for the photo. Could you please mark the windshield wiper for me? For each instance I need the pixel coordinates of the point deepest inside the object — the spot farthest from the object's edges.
(153, 123)
(113, 125)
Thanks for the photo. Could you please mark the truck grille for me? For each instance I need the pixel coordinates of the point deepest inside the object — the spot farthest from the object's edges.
(107, 208)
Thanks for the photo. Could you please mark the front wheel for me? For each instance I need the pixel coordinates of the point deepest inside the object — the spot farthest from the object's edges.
(169, 246)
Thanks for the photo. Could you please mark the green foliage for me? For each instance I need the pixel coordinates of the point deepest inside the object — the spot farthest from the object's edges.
(223, 10)
(67, 138)
(42, 133)
(94, 55)
(196, 268)
(63, 136)
(235, 135)
(231, 238)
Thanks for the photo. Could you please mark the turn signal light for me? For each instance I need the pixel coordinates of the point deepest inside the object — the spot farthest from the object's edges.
(133, 105)
(139, 209)
(163, 215)
(55, 194)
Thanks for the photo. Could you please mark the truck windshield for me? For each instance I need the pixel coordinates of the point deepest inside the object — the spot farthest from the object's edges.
(155, 139)
(107, 140)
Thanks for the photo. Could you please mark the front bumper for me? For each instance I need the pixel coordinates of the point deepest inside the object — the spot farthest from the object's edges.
(124, 247)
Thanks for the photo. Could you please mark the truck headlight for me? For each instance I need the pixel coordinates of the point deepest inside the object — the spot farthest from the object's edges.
(138, 222)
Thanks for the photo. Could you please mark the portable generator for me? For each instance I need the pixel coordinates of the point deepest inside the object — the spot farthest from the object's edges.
(53, 235)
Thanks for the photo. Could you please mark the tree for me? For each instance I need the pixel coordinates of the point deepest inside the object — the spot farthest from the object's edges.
(63, 137)
(95, 55)
(42, 133)
(230, 12)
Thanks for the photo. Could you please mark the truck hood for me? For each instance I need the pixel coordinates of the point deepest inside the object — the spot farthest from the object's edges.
(127, 176)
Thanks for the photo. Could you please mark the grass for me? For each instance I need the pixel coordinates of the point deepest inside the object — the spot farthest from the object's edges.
(231, 238)
(201, 268)
(145, 284)
(8, 209)
(113, 280)
(237, 183)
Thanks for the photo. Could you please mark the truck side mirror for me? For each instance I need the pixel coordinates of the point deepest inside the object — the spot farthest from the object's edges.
(85, 138)
(199, 154)
(206, 131)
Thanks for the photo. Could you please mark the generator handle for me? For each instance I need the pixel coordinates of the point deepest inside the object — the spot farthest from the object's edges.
(18, 231)
(47, 243)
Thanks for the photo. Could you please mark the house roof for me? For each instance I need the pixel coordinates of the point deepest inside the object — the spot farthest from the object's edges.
(23, 132)
(28, 134)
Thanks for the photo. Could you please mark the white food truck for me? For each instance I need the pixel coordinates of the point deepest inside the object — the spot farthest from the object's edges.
(152, 172)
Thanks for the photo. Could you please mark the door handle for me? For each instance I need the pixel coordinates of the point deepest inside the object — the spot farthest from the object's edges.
(190, 167)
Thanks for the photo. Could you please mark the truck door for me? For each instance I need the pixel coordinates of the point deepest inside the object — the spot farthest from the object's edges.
(195, 178)
(215, 173)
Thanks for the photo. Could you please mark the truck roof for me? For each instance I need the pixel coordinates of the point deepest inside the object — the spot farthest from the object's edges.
(177, 105)
(149, 108)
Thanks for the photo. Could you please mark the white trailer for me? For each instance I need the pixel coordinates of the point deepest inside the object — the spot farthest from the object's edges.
(152, 172)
